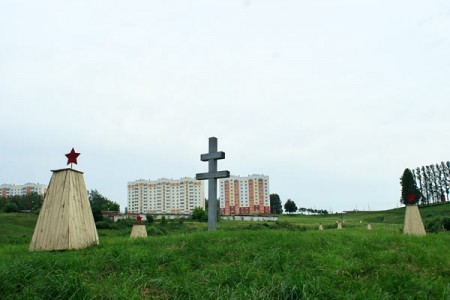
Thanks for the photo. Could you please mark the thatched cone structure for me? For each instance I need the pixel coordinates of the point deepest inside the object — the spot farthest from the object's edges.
(339, 226)
(138, 231)
(65, 220)
(369, 226)
(413, 221)
(320, 227)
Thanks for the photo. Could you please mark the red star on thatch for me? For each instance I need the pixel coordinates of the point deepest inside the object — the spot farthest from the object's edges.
(139, 218)
(72, 157)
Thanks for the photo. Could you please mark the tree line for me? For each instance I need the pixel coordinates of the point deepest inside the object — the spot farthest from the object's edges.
(23, 203)
(433, 182)
(33, 203)
(291, 207)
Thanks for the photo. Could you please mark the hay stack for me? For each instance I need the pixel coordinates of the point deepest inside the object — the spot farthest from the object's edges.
(65, 220)
(413, 221)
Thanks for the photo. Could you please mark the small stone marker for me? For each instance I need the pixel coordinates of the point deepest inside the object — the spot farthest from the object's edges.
(320, 227)
(339, 225)
(369, 226)
(212, 176)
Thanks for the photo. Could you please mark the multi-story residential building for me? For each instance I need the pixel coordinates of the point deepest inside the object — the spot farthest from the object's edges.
(244, 195)
(7, 190)
(165, 196)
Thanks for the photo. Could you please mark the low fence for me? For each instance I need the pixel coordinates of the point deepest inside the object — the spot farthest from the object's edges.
(170, 217)
(249, 218)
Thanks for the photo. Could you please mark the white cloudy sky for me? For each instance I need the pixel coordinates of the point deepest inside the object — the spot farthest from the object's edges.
(331, 99)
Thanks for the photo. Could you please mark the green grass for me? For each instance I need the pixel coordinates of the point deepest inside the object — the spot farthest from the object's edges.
(16, 228)
(241, 260)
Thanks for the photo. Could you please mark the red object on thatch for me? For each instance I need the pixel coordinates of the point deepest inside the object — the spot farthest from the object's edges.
(411, 198)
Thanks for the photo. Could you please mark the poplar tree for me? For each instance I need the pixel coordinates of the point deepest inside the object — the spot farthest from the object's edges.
(419, 178)
(275, 204)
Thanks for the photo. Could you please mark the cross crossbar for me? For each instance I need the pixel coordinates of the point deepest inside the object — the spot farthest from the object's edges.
(219, 174)
(214, 155)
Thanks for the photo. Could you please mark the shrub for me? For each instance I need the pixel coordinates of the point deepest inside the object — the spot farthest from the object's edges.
(103, 225)
(150, 219)
(11, 207)
(199, 214)
(156, 231)
(126, 223)
(437, 224)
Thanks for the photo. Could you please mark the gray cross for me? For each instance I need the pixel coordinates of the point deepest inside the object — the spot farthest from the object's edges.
(212, 176)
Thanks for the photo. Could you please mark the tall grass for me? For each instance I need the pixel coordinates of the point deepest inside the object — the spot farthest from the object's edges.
(290, 259)
(262, 264)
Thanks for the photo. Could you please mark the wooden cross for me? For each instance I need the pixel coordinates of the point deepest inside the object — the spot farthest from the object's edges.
(212, 176)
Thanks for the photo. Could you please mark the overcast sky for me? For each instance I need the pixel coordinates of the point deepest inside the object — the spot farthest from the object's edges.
(331, 99)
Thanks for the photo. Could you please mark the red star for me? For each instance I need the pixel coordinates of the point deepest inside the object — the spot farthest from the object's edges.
(411, 198)
(139, 218)
(72, 157)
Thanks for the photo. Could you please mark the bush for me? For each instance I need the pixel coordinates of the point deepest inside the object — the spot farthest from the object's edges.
(437, 224)
(199, 214)
(150, 219)
(156, 231)
(125, 223)
(11, 207)
(103, 225)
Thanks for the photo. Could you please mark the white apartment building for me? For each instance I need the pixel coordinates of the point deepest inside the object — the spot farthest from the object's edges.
(165, 196)
(244, 195)
(7, 190)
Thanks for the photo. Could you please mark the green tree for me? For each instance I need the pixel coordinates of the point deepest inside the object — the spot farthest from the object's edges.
(150, 219)
(100, 203)
(199, 214)
(3, 201)
(275, 204)
(410, 192)
(290, 206)
(36, 201)
(11, 207)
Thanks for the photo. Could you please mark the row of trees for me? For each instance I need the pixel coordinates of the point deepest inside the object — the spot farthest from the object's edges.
(31, 202)
(433, 182)
(291, 207)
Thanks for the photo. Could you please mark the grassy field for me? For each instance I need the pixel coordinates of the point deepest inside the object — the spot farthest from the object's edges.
(290, 259)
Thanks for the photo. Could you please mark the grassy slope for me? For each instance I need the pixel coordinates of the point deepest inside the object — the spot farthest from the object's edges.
(237, 263)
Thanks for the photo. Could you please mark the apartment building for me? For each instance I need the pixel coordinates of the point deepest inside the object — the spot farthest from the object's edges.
(7, 190)
(245, 195)
(165, 196)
